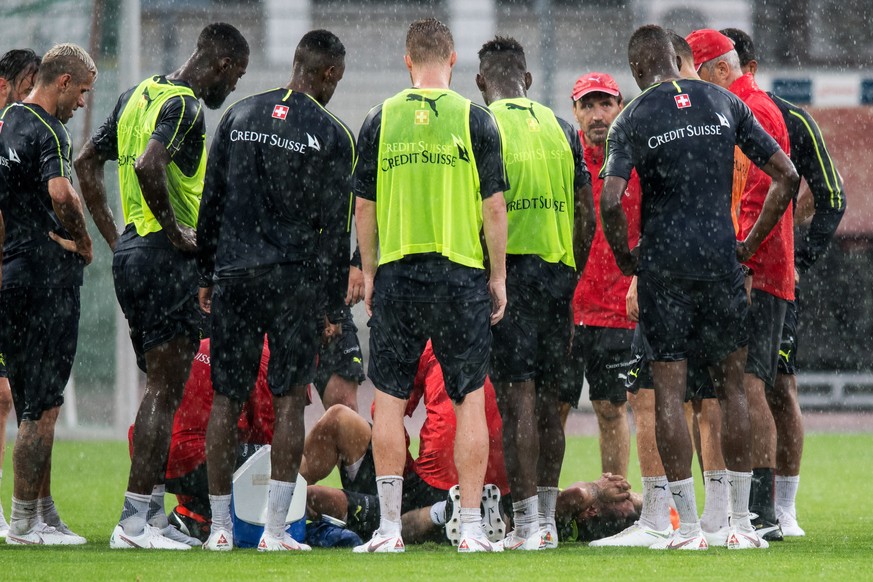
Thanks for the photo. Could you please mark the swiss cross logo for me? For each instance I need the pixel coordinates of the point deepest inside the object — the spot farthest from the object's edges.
(422, 117)
(1, 125)
(682, 101)
(280, 111)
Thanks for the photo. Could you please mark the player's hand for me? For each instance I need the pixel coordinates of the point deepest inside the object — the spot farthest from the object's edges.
(747, 284)
(627, 264)
(331, 331)
(497, 289)
(743, 251)
(632, 303)
(612, 488)
(368, 294)
(355, 291)
(184, 239)
(205, 297)
(82, 247)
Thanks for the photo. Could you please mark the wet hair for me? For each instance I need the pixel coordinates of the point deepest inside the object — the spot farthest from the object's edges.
(64, 59)
(502, 57)
(650, 45)
(318, 50)
(219, 40)
(18, 62)
(729, 57)
(681, 47)
(429, 41)
(742, 44)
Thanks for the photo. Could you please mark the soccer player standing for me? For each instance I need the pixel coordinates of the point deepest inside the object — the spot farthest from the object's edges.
(680, 135)
(157, 133)
(548, 206)
(814, 164)
(430, 178)
(772, 267)
(45, 252)
(17, 74)
(274, 241)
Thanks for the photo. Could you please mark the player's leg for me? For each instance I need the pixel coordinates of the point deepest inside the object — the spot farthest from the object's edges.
(766, 319)
(789, 427)
(5, 409)
(614, 435)
(340, 438)
(396, 343)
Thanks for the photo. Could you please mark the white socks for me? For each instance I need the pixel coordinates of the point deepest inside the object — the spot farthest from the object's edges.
(715, 508)
(221, 519)
(786, 493)
(438, 513)
(656, 503)
(471, 522)
(279, 501)
(526, 516)
(390, 489)
(548, 500)
(686, 505)
(23, 516)
(134, 513)
(740, 487)
(157, 515)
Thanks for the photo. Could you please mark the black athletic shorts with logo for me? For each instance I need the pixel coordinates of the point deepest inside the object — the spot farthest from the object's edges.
(342, 356)
(531, 341)
(603, 356)
(788, 346)
(363, 513)
(365, 479)
(40, 330)
(766, 319)
(156, 286)
(278, 301)
(685, 317)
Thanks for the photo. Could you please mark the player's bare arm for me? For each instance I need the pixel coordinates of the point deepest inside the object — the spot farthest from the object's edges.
(68, 207)
(583, 229)
(494, 228)
(365, 225)
(615, 223)
(89, 169)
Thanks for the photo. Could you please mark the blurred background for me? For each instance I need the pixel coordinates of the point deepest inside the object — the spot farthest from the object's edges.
(818, 53)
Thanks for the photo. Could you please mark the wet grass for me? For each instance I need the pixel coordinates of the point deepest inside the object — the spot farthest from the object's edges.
(834, 502)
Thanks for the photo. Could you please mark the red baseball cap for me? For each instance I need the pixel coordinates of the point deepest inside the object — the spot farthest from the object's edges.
(595, 82)
(707, 44)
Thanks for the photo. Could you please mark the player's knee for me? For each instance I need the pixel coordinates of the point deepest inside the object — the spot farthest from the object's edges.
(610, 412)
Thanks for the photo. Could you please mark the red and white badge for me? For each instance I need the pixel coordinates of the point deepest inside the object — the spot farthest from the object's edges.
(682, 101)
(280, 111)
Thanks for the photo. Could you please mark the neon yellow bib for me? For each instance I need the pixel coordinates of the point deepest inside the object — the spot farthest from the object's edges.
(135, 127)
(427, 190)
(539, 165)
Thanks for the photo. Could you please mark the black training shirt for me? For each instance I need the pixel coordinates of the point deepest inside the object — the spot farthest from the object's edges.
(430, 275)
(680, 137)
(34, 148)
(814, 164)
(278, 190)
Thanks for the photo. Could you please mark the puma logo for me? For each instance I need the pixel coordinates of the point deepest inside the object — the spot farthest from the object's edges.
(513, 106)
(431, 102)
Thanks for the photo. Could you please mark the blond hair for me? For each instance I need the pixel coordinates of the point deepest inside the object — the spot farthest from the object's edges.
(66, 58)
(429, 41)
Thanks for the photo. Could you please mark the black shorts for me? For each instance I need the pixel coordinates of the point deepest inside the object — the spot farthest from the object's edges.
(39, 333)
(279, 302)
(603, 356)
(459, 330)
(363, 512)
(365, 479)
(342, 357)
(766, 318)
(531, 340)
(157, 287)
(699, 383)
(788, 346)
(682, 316)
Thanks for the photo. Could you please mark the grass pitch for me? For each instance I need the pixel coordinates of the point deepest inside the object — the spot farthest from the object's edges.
(834, 504)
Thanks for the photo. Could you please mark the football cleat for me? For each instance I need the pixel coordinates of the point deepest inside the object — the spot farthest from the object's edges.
(550, 537)
(766, 529)
(678, 540)
(745, 538)
(220, 540)
(380, 544)
(453, 515)
(492, 521)
(532, 543)
(478, 543)
(787, 521)
(270, 543)
(718, 538)
(149, 539)
(189, 523)
(635, 536)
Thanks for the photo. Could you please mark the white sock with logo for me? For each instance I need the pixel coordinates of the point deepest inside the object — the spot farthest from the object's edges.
(548, 500)
(221, 519)
(525, 514)
(740, 487)
(390, 489)
(715, 507)
(279, 501)
(686, 504)
(655, 513)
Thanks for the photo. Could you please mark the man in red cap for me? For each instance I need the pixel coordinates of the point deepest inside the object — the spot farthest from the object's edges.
(602, 342)
(772, 266)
